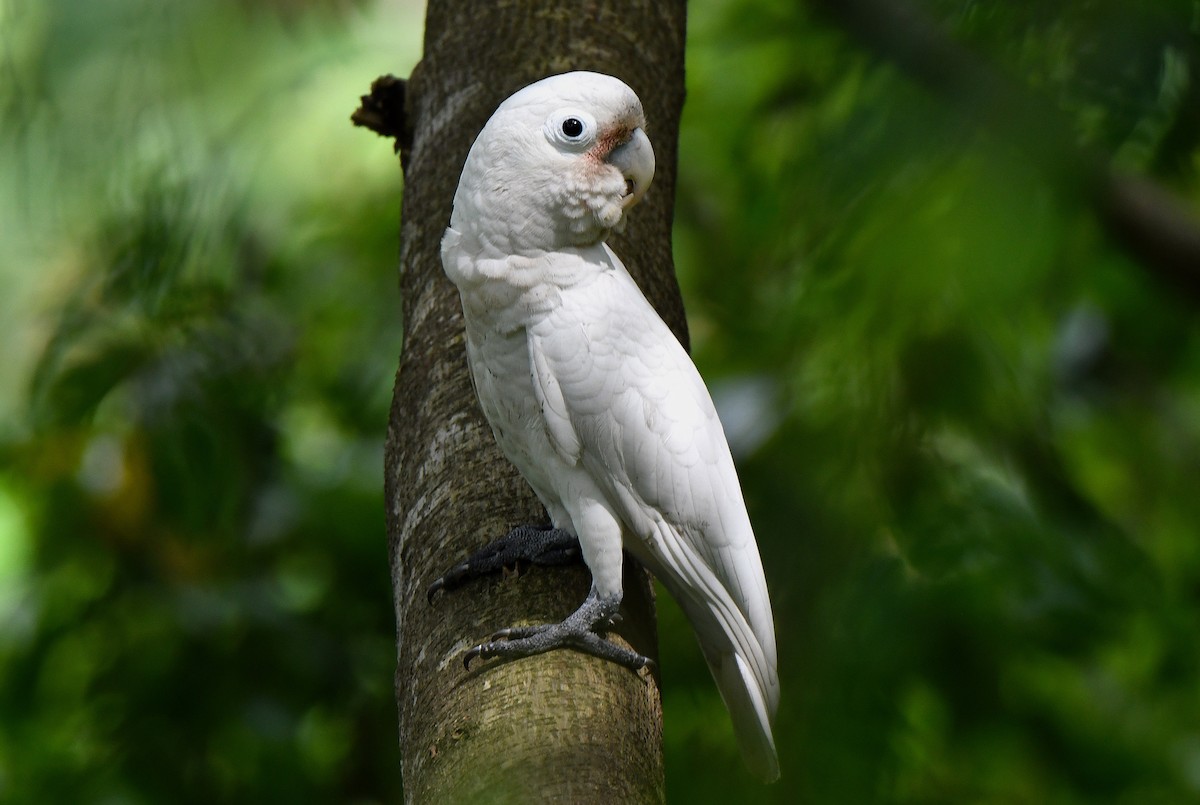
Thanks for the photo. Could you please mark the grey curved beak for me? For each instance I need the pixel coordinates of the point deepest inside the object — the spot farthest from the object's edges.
(635, 159)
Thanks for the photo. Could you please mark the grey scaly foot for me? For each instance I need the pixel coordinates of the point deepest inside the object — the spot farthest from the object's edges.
(539, 545)
(578, 631)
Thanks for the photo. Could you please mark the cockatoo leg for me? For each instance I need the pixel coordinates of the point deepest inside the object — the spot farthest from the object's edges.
(538, 545)
(579, 632)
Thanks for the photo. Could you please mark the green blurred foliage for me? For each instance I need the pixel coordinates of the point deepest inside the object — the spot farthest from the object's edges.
(968, 428)
(198, 258)
(977, 500)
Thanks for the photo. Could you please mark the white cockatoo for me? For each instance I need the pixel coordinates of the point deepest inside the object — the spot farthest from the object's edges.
(593, 399)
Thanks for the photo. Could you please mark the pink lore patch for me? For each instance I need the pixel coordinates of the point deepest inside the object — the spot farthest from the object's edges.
(608, 140)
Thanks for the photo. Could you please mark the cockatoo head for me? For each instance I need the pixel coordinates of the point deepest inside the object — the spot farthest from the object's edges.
(556, 166)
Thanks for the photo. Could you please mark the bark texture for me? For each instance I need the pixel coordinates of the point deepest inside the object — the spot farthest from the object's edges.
(562, 726)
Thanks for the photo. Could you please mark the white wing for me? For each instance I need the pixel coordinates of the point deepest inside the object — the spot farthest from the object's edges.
(621, 396)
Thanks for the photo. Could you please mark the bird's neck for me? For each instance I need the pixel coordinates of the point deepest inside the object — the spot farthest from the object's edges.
(502, 226)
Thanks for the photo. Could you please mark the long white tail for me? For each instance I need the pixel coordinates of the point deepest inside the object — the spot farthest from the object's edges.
(750, 709)
(745, 673)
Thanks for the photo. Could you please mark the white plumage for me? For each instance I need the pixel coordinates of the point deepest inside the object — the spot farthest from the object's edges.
(589, 393)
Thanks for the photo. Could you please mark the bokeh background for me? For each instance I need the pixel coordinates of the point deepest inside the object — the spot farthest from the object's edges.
(968, 428)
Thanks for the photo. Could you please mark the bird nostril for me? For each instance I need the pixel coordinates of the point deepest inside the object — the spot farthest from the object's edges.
(630, 186)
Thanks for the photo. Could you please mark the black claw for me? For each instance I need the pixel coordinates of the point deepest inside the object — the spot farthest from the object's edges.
(539, 545)
(512, 649)
(452, 578)
(578, 632)
(516, 633)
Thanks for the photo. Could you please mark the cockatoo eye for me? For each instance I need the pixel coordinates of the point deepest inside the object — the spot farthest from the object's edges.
(571, 128)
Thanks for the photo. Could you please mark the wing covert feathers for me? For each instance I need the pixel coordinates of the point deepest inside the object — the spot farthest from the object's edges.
(620, 396)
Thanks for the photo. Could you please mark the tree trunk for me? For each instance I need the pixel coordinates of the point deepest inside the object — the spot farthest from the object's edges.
(560, 726)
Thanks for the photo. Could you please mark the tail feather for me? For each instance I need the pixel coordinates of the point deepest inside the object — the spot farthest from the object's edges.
(748, 684)
(741, 653)
(749, 709)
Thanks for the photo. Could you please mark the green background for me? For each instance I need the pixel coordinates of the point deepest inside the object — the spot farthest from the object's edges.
(967, 427)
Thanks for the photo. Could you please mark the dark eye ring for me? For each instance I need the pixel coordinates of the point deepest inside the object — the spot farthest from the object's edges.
(572, 127)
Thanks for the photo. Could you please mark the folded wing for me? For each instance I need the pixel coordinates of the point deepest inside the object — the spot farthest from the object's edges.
(621, 396)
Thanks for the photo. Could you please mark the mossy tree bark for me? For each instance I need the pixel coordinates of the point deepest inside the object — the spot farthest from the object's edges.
(561, 726)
